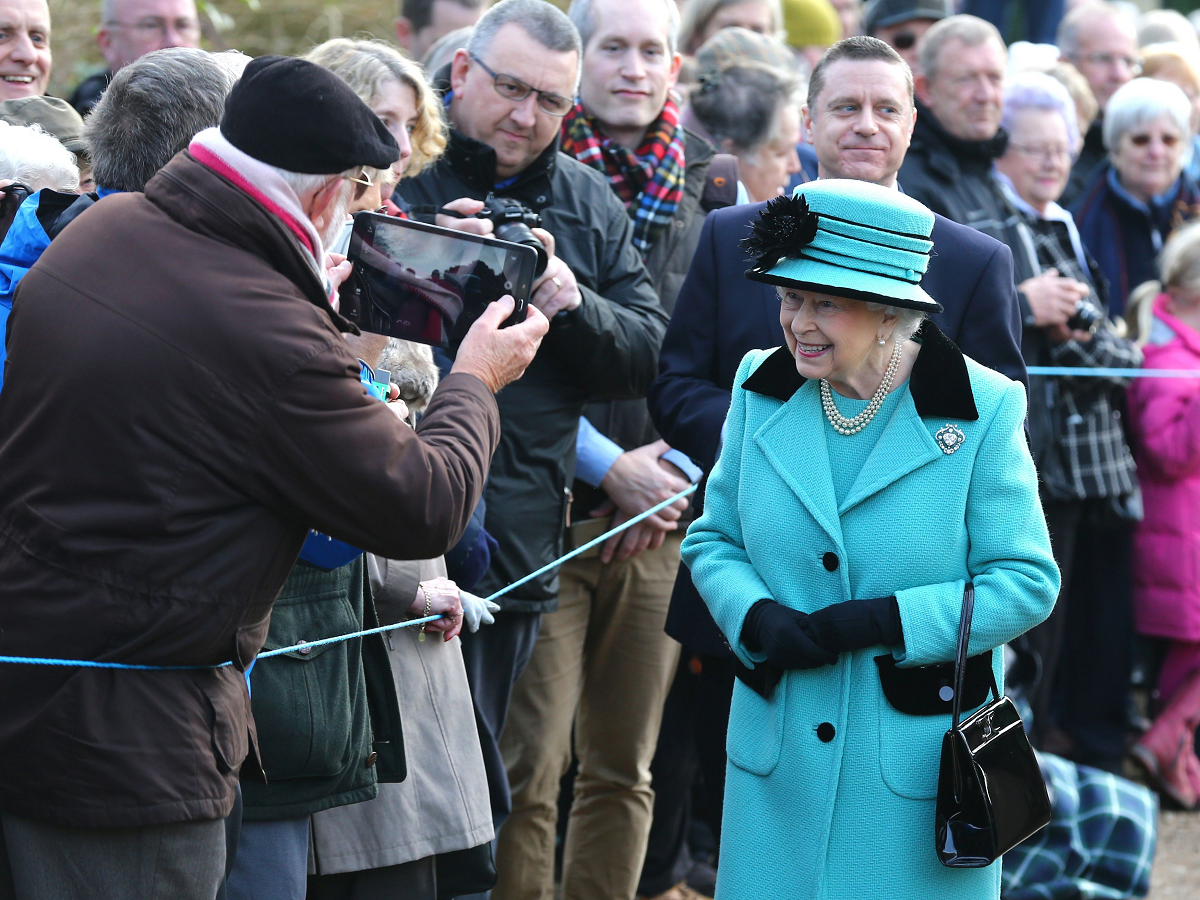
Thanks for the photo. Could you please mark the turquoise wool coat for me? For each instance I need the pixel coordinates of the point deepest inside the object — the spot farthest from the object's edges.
(847, 813)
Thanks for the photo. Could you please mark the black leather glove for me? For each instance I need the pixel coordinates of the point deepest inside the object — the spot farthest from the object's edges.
(785, 635)
(856, 624)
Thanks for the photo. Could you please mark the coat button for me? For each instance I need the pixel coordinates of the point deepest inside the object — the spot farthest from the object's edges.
(829, 561)
(371, 757)
(826, 731)
(303, 651)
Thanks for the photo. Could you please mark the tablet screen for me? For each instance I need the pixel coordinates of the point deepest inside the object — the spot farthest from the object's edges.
(424, 283)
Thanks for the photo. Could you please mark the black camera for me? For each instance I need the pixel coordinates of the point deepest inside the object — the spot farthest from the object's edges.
(1086, 318)
(511, 221)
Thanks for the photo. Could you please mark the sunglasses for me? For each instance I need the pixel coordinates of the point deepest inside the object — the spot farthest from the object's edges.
(904, 40)
(1143, 140)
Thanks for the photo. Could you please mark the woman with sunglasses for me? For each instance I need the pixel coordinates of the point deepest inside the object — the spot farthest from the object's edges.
(1140, 196)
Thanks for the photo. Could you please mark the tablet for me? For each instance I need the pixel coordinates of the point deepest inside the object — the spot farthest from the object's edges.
(429, 284)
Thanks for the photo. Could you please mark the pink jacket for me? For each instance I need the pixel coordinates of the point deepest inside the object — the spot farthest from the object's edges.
(1165, 416)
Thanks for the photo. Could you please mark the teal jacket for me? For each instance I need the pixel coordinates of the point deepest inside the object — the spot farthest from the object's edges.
(328, 720)
(830, 790)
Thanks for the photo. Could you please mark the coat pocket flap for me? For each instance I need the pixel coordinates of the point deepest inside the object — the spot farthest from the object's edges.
(928, 690)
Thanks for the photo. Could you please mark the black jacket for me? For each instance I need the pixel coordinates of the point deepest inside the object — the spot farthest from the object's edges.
(627, 422)
(954, 177)
(720, 316)
(89, 91)
(607, 348)
(1091, 158)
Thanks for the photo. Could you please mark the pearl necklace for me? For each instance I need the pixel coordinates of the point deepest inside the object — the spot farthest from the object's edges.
(845, 426)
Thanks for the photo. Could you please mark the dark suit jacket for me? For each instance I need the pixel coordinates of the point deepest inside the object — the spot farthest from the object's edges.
(721, 315)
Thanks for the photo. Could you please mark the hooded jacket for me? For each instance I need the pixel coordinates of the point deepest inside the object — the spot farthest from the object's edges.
(606, 349)
(180, 409)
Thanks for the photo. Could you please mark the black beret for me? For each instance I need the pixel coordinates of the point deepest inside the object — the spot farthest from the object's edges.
(300, 117)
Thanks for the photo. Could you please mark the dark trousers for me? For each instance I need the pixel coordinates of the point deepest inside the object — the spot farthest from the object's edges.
(1091, 695)
(1044, 642)
(692, 738)
(1041, 18)
(494, 656)
(416, 880)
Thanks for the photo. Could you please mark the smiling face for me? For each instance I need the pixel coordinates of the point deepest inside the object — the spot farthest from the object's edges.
(517, 130)
(24, 48)
(966, 92)
(863, 121)
(143, 26)
(397, 109)
(628, 68)
(1149, 159)
(1038, 158)
(830, 337)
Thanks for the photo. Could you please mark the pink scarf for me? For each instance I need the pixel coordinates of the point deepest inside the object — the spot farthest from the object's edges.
(264, 184)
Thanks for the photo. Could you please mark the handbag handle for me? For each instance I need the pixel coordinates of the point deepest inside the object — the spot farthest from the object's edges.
(960, 656)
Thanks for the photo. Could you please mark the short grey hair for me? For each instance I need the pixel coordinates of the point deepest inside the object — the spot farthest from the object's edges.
(1164, 26)
(585, 22)
(1070, 26)
(1145, 100)
(1036, 90)
(698, 13)
(34, 158)
(108, 12)
(968, 30)
(542, 21)
(907, 320)
(741, 105)
(152, 110)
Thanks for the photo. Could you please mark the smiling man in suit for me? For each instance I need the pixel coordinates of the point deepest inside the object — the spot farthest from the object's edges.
(859, 119)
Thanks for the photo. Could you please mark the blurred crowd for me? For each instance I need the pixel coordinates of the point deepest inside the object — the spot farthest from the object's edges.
(566, 737)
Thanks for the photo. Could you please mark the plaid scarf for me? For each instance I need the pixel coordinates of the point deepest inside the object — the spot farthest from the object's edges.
(649, 181)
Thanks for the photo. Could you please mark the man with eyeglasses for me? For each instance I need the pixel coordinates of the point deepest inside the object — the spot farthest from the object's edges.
(506, 96)
(901, 23)
(1100, 40)
(129, 29)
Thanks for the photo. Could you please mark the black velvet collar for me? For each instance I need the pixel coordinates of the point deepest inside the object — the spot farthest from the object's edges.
(940, 384)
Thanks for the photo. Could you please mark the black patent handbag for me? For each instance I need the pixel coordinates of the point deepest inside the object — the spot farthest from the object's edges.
(991, 795)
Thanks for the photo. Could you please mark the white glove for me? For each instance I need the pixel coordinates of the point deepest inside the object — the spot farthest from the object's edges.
(478, 611)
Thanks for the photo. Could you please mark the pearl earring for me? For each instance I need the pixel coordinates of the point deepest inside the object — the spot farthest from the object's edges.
(881, 341)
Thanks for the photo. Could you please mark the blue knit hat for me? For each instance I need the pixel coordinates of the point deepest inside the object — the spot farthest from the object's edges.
(845, 238)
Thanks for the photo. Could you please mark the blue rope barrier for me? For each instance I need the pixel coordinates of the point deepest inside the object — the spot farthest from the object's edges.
(91, 664)
(1085, 372)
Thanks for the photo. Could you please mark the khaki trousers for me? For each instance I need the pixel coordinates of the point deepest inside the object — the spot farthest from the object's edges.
(603, 664)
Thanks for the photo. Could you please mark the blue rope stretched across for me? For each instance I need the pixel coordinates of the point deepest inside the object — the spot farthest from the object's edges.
(1086, 372)
(90, 664)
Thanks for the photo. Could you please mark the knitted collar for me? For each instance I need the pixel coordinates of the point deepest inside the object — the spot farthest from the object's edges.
(966, 151)
(939, 383)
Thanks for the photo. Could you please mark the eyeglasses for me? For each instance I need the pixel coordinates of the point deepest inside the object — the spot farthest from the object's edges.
(1049, 154)
(1109, 60)
(1143, 140)
(154, 27)
(904, 40)
(516, 90)
(362, 177)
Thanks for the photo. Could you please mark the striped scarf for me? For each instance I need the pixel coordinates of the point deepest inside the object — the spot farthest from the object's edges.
(648, 181)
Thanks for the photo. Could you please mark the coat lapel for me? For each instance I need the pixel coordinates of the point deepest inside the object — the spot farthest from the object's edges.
(904, 447)
(793, 441)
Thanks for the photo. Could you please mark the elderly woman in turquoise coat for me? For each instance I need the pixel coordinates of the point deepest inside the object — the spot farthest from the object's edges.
(869, 471)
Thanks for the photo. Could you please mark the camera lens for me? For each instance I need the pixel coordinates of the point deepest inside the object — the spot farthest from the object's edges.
(519, 233)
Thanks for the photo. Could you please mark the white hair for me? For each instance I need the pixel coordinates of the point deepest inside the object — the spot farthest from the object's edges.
(1145, 100)
(907, 320)
(32, 157)
(1036, 90)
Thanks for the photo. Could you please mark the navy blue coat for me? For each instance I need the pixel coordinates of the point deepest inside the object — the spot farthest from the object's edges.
(720, 316)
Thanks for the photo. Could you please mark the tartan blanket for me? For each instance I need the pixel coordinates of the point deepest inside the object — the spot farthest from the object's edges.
(1099, 844)
(649, 181)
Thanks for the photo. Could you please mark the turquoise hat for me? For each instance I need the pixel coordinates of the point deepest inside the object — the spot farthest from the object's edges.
(846, 238)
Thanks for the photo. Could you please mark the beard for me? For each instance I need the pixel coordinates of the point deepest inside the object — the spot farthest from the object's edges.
(337, 217)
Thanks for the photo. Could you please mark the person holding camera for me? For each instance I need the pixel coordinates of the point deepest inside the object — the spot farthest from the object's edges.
(1079, 444)
(163, 460)
(506, 96)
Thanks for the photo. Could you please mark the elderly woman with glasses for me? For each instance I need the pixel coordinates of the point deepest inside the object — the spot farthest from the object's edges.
(1141, 195)
(869, 472)
(1082, 458)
